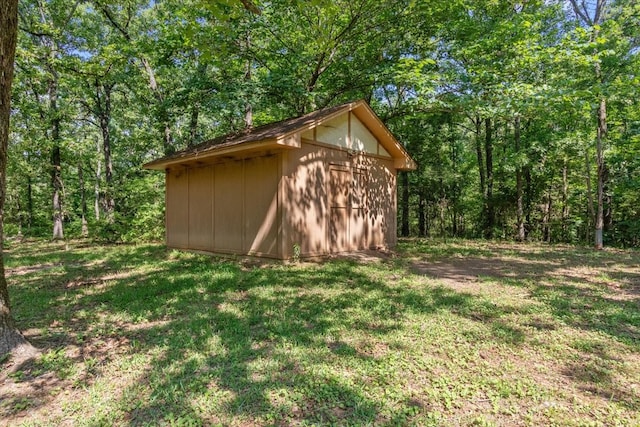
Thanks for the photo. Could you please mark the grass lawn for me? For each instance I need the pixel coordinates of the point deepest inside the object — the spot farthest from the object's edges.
(456, 333)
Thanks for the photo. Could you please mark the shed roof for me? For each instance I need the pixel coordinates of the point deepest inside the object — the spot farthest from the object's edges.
(286, 134)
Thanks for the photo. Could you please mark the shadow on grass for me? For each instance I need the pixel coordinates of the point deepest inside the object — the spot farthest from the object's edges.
(592, 290)
(258, 345)
(265, 344)
(595, 291)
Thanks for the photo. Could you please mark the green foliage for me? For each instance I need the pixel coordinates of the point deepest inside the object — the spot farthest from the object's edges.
(178, 73)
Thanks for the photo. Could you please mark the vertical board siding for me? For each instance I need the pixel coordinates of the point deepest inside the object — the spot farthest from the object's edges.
(228, 207)
(200, 208)
(177, 212)
(261, 205)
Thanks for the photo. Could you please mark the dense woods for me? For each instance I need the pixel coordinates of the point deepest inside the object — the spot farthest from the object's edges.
(523, 116)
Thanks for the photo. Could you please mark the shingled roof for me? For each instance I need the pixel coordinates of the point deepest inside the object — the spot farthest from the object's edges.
(267, 135)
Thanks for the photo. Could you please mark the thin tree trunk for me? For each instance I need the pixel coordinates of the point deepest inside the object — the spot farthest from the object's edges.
(404, 228)
(421, 215)
(546, 218)
(56, 200)
(56, 167)
(248, 109)
(56, 162)
(601, 135)
(442, 207)
(103, 101)
(565, 200)
(455, 196)
(608, 202)
(590, 206)
(519, 192)
(83, 201)
(96, 187)
(478, 125)
(164, 120)
(593, 17)
(29, 202)
(489, 208)
(528, 200)
(193, 123)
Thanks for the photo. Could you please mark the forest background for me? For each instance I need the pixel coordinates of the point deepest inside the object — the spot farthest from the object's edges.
(523, 116)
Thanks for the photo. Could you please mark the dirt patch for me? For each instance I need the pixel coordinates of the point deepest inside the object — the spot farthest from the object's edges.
(28, 269)
(459, 270)
(621, 282)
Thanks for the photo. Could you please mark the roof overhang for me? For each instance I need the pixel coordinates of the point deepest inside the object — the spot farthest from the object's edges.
(210, 156)
(291, 139)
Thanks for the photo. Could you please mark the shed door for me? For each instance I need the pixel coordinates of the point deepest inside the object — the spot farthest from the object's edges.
(358, 230)
(340, 183)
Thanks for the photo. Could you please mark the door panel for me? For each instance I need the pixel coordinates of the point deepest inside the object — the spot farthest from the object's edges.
(340, 183)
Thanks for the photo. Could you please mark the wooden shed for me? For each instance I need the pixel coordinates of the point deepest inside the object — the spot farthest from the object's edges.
(318, 184)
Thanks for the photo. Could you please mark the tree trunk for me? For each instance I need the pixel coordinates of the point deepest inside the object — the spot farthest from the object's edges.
(565, 200)
(489, 208)
(248, 109)
(96, 187)
(442, 207)
(56, 200)
(546, 218)
(528, 192)
(608, 202)
(422, 231)
(591, 212)
(601, 135)
(162, 111)
(29, 202)
(103, 101)
(593, 17)
(11, 340)
(83, 201)
(455, 190)
(193, 123)
(404, 228)
(519, 192)
(478, 125)
(56, 165)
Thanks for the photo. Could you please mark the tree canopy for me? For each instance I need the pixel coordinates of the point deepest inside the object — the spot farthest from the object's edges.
(523, 116)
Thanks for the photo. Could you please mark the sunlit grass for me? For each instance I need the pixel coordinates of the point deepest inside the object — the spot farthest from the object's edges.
(138, 335)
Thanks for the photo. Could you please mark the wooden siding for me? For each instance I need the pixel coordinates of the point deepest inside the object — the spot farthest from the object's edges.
(177, 220)
(261, 205)
(337, 201)
(200, 208)
(229, 207)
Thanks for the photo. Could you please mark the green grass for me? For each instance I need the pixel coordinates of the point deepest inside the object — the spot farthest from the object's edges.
(500, 334)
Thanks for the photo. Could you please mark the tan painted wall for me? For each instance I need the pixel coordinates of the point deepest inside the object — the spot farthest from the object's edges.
(229, 207)
(335, 201)
(177, 220)
(320, 197)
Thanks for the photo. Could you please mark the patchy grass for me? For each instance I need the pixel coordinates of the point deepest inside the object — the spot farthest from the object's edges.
(458, 333)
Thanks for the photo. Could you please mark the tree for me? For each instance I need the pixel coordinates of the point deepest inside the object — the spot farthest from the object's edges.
(11, 340)
(608, 52)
